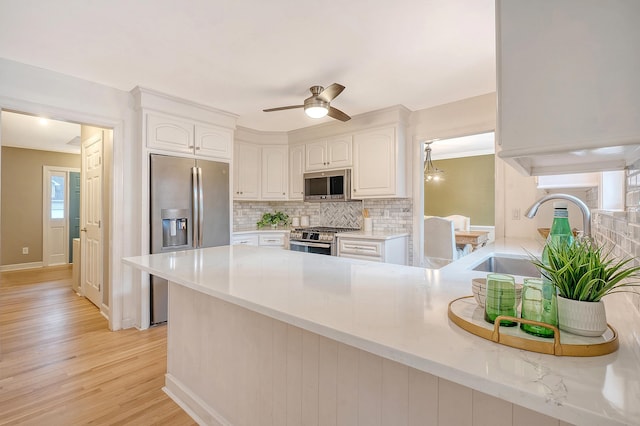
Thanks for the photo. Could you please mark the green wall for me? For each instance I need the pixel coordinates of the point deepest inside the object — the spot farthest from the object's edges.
(468, 189)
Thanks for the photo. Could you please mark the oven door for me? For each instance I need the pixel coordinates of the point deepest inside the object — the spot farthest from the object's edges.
(309, 247)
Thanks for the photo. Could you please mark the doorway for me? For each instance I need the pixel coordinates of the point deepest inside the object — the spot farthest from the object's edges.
(35, 137)
(466, 186)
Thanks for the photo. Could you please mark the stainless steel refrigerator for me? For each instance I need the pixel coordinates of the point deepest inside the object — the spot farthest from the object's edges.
(189, 209)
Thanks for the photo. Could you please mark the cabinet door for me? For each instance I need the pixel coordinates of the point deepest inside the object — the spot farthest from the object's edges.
(358, 249)
(213, 142)
(246, 174)
(566, 74)
(245, 239)
(316, 156)
(339, 152)
(169, 133)
(275, 172)
(374, 163)
(273, 240)
(296, 173)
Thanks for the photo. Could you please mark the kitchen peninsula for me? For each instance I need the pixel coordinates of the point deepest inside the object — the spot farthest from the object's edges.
(257, 336)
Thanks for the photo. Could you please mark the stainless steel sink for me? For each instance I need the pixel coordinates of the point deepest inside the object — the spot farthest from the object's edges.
(508, 265)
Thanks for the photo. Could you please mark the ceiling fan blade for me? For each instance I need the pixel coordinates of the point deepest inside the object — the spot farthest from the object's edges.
(337, 114)
(283, 108)
(331, 92)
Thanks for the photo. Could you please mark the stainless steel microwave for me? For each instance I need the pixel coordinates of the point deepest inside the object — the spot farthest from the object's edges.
(334, 185)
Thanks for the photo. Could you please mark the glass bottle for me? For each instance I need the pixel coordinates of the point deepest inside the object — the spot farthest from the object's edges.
(559, 234)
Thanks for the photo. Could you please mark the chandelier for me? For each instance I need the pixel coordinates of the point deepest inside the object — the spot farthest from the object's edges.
(431, 172)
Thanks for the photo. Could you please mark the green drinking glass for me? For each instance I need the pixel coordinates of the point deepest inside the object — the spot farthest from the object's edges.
(539, 303)
(500, 298)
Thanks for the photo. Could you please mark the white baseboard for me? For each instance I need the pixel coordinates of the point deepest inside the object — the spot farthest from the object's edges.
(105, 311)
(21, 266)
(128, 323)
(199, 411)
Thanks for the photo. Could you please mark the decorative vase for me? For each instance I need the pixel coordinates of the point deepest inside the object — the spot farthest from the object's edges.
(582, 318)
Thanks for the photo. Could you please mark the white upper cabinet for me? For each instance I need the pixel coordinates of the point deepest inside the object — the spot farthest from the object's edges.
(377, 164)
(334, 153)
(296, 172)
(246, 171)
(214, 142)
(275, 172)
(568, 84)
(168, 133)
(260, 172)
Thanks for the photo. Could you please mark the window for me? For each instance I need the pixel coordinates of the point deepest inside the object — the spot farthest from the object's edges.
(57, 197)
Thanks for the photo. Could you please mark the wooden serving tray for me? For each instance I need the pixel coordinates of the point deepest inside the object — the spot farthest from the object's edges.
(468, 315)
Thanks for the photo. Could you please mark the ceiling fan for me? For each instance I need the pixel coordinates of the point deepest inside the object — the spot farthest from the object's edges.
(317, 105)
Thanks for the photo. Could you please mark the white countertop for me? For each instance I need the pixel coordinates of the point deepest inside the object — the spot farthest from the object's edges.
(255, 230)
(400, 313)
(374, 235)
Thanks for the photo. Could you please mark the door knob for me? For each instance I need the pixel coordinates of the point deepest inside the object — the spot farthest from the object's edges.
(83, 230)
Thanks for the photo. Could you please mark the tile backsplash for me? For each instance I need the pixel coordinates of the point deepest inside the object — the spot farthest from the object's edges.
(621, 229)
(389, 215)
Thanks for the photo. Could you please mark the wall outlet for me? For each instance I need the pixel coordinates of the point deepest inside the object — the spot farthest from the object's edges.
(386, 213)
(515, 214)
(25, 250)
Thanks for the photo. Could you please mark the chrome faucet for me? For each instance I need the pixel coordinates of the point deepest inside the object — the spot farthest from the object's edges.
(586, 214)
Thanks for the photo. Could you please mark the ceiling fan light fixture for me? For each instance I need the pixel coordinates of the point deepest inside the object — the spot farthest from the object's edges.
(316, 112)
(316, 108)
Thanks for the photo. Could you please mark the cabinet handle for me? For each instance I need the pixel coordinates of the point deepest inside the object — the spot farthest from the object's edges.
(283, 193)
(197, 148)
(190, 146)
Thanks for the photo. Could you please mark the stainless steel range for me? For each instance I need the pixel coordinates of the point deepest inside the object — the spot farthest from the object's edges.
(318, 239)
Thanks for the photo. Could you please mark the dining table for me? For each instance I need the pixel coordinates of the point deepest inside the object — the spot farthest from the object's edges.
(475, 238)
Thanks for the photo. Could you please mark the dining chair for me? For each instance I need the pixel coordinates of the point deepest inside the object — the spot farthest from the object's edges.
(460, 223)
(440, 242)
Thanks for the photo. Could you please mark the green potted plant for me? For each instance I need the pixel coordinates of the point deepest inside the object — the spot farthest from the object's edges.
(273, 219)
(583, 273)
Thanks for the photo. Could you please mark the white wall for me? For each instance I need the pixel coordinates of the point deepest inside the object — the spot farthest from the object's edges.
(38, 91)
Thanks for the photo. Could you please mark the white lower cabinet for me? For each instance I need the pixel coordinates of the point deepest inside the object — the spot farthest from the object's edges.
(245, 239)
(269, 239)
(274, 240)
(387, 248)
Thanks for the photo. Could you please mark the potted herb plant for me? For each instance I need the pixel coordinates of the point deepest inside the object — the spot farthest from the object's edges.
(583, 273)
(273, 219)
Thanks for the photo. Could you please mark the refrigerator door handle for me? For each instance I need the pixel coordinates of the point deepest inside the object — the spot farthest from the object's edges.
(200, 208)
(194, 207)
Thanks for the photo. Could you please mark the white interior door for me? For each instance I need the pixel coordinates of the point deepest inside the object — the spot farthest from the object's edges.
(55, 230)
(56, 215)
(91, 219)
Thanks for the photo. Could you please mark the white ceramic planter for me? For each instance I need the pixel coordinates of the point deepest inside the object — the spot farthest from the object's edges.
(582, 318)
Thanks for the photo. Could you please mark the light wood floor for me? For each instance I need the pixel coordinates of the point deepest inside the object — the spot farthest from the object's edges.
(60, 365)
